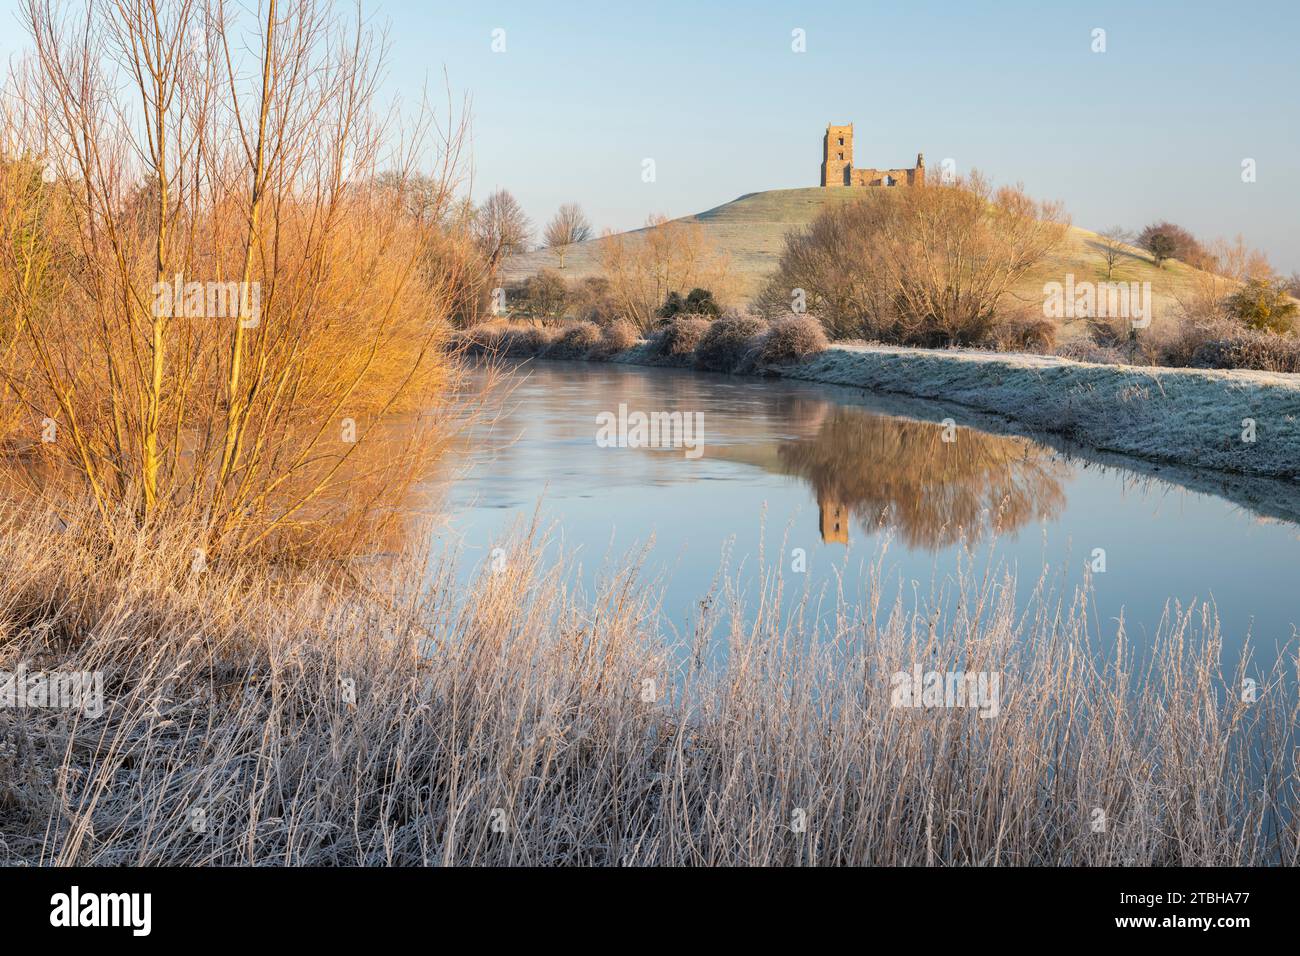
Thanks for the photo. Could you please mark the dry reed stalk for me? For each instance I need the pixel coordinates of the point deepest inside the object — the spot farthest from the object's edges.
(413, 721)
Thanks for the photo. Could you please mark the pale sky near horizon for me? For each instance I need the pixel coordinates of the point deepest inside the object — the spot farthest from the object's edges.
(1155, 127)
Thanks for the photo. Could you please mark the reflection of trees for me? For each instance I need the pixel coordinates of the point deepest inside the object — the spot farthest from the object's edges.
(863, 466)
(900, 473)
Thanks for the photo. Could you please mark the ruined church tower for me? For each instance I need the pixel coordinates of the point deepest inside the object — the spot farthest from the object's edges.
(837, 155)
(832, 519)
(837, 164)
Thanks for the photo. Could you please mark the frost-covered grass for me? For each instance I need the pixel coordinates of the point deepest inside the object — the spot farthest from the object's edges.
(1196, 417)
(408, 717)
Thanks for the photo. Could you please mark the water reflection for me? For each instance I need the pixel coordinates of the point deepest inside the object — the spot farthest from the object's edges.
(932, 484)
(877, 467)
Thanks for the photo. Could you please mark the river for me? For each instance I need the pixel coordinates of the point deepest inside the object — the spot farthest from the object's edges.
(827, 481)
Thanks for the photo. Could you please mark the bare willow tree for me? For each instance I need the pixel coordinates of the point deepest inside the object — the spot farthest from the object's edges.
(240, 306)
(927, 265)
(568, 227)
(643, 267)
(833, 269)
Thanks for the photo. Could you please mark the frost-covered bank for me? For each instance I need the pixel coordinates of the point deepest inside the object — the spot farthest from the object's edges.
(1242, 421)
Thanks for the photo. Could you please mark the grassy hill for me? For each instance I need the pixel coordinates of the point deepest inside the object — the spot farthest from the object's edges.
(751, 231)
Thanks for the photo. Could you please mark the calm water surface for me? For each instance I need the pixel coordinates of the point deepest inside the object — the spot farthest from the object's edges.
(840, 473)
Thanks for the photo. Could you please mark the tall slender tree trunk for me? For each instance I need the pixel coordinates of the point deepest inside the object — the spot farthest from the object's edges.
(153, 416)
(234, 401)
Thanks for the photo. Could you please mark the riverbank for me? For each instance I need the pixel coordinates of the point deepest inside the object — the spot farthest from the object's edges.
(1200, 418)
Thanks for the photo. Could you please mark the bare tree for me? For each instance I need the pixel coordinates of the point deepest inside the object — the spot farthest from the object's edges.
(1114, 243)
(425, 199)
(248, 302)
(569, 226)
(922, 266)
(501, 227)
(643, 267)
(546, 295)
(1203, 299)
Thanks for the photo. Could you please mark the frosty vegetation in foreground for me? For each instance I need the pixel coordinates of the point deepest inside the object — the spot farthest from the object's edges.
(520, 724)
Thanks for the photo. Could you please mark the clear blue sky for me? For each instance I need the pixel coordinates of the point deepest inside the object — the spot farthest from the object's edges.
(1155, 127)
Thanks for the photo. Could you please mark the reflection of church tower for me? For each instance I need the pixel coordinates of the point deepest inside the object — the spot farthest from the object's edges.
(832, 519)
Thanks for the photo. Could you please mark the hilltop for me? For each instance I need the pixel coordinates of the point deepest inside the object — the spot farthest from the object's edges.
(751, 230)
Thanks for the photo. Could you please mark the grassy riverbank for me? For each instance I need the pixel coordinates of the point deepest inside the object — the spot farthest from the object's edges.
(256, 718)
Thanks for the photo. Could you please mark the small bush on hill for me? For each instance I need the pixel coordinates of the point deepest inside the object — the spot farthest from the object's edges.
(1263, 304)
(1161, 247)
(728, 344)
(792, 338)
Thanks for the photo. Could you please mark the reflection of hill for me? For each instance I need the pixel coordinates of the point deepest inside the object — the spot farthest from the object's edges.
(901, 473)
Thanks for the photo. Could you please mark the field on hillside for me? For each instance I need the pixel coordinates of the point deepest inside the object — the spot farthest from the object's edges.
(751, 231)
